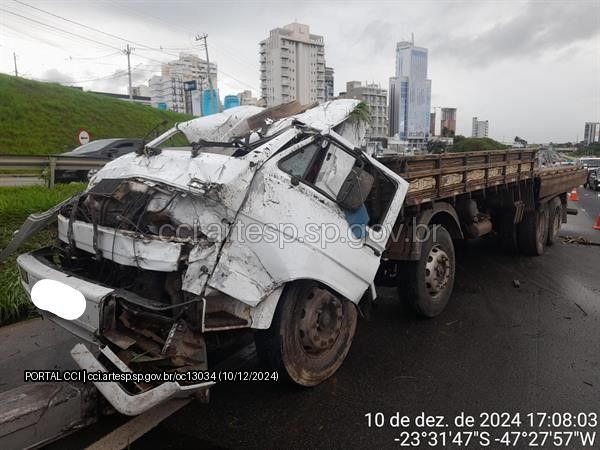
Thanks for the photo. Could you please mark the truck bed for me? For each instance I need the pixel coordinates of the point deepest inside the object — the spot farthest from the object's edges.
(435, 177)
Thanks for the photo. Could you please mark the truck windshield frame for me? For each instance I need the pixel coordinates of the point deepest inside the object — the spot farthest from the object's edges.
(320, 151)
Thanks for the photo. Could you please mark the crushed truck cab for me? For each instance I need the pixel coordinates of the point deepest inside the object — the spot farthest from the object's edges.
(262, 221)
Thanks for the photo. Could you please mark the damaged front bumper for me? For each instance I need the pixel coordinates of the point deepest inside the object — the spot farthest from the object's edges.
(119, 398)
(34, 267)
(121, 321)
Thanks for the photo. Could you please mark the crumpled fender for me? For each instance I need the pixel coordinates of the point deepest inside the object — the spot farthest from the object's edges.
(34, 223)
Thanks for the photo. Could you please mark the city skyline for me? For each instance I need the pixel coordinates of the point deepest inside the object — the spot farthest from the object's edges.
(529, 68)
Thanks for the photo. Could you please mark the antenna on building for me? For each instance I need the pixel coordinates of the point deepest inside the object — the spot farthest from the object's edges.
(412, 38)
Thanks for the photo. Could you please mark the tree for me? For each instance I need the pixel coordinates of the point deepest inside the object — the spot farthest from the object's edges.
(436, 147)
(447, 132)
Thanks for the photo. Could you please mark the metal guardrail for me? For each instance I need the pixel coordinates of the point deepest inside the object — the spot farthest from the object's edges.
(50, 162)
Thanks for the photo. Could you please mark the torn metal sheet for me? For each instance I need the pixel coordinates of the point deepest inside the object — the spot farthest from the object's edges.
(220, 127)
(34, 223)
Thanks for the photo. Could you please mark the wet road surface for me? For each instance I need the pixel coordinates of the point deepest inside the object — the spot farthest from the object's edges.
(495, 348)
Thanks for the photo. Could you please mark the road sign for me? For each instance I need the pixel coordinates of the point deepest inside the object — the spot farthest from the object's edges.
(83, 137)
(190, 85)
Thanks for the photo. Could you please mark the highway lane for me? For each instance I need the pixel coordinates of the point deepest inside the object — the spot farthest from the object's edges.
(497, 347)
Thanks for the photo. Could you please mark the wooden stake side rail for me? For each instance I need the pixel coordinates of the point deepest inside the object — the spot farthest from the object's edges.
(433, 177)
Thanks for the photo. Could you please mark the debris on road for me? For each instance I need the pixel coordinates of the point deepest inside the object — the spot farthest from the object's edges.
(579, 240)
(582, 310)
(517, 283)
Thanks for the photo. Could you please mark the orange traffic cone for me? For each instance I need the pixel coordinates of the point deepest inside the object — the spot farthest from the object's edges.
(597, 226)
(574, 196)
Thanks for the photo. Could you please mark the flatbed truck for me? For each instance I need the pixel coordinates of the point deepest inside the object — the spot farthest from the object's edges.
(277, 223)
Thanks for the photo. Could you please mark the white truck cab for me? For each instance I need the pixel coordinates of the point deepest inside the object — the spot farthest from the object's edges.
(266, 229)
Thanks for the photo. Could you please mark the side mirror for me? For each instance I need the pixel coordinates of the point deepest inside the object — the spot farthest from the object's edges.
(355, 189)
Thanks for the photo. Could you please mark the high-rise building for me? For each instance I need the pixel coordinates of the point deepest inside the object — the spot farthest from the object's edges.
(168, 91)
(410, 96)
(247, 99)
(591, 132)
(432, 124)
(376, 100)
(329, 83)
(448, 122)
(480, 128)
(292, 66)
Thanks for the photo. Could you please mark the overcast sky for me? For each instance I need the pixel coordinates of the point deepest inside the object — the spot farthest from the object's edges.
(531, 68)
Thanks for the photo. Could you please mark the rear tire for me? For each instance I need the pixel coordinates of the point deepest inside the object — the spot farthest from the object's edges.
(429, 281)
(554, 220)
(533, 232)
(310, 335)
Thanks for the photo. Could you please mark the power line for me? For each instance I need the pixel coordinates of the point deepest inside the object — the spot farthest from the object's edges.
(114, 36)
(59, 29)
(178, 30)
(87, 58)
(105, 33)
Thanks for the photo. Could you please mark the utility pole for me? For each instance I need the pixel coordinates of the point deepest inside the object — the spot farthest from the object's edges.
(127, 51)
(202, 37)
(15, 59)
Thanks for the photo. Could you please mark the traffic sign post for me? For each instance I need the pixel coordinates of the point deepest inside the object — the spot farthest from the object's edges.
(83, 137)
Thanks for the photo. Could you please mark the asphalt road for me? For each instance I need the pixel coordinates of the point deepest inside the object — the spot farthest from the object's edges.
(497, 347)
(589, 203)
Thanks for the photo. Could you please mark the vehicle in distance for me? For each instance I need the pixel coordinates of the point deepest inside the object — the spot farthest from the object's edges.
(593, 179)
(100, 149)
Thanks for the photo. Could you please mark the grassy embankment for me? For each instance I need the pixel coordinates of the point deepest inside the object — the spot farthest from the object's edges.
(16, 203)
(44, 118)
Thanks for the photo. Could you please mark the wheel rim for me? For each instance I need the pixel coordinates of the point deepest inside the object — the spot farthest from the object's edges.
(320, 321)
(437, 270)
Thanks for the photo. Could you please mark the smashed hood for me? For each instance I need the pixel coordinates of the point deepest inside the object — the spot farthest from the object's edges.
(221, 127)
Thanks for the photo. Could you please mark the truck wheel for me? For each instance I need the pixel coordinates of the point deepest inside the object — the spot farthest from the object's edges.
(554, 220)
(533, 232)
(310, 335)
(429, 281)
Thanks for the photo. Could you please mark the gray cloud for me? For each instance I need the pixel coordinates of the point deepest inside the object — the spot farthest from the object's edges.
(484, 56)
(56, 76)
(537, 28)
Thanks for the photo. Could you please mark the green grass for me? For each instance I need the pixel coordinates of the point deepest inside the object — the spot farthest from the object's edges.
(16, 203)
(42, 118)
(463, 144)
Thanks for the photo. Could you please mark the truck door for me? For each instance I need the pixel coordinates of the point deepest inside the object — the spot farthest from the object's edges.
(311, 206)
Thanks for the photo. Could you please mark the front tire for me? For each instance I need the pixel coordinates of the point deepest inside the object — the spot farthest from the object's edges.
(310, 335)
(429, 281)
